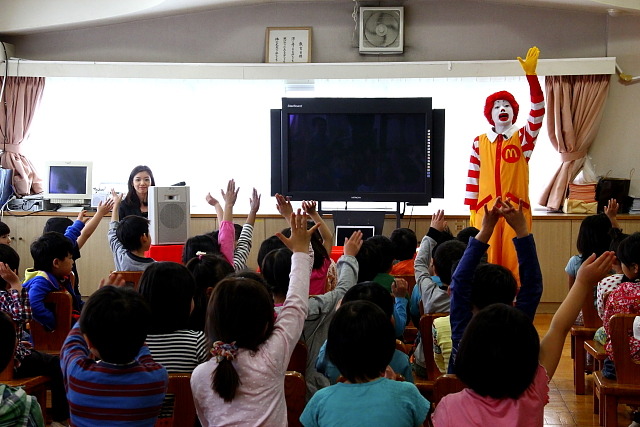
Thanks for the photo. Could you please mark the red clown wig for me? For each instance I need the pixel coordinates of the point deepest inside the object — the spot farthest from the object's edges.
(502, 95)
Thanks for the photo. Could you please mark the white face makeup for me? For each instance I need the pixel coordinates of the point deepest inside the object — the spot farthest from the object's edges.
(502, 113)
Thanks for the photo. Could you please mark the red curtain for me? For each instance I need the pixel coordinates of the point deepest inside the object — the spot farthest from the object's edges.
(19, 102)
(574, 110)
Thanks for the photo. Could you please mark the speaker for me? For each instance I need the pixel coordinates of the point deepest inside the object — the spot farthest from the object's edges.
(169, 215)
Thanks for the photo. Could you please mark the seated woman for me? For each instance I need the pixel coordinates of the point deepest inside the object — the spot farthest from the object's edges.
(135, 202)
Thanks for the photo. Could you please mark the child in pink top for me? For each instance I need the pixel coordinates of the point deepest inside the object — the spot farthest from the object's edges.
(243, 383)
(505, 365)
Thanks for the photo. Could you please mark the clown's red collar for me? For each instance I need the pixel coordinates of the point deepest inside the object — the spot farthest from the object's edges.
(492, 135)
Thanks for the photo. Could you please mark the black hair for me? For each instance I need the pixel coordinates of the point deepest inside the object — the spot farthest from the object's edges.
(240, 311)
(58, 223)
(404, 242)
(515, 347)
(267, 245)
(275, 269)
(593, 236)
(319, 250)
(369, 261)
(200, 243)
(207, 271)
(466, 233)
(445, 255)
(4, 229)
(8, 339)
(9, 256)
(371, 291)
(50, 246)
(386, 250)
(130, 229)
(492, 283)
(629, 250)
(361, 341)
(132, 197)
(169, 289)
(253, 275)
(116, 320)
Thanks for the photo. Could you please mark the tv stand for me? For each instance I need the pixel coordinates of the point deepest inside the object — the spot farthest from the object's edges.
(363, 217)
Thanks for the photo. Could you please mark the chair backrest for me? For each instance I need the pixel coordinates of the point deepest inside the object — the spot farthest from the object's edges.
(627, 369)
(590, 316)
(60, 302)
(295, 391)
(426, 323)
(446, 384)
(298, 361)
(131, 278)
(184, 410)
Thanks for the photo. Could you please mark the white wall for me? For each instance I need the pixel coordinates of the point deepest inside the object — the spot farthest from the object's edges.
(451, 30)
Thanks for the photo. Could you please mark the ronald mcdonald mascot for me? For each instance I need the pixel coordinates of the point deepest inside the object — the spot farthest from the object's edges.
(499, 165)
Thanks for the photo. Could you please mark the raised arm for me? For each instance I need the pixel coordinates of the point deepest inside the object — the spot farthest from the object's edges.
(611, 211)
(529, 133)
(283, 204)
(226, 235)
(327, 236)
(530, 273)
(241, 252)
(461, 307)
(591, 271)
(91, 225)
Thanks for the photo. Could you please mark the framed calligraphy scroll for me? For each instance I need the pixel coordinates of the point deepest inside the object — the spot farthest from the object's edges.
(288, 44)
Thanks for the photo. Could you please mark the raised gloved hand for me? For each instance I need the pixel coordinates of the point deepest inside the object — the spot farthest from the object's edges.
(530, 63)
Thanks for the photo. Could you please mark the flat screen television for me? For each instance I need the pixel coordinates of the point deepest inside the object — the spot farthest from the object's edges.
(68, 182)
(358, 149)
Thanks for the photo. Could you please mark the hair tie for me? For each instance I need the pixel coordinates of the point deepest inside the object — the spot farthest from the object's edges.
(221, 351)
(200, 254)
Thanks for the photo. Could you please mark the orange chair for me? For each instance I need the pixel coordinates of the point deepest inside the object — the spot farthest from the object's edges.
(46, 341)
(298, 361)
(607, 394)
(295, 391)
(184, 410)
(131, 278)
(446, 384)
(580, 334)
(35, 386)
(426, 384)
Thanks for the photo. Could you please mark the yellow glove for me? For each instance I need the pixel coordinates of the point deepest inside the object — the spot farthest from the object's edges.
(530, 63)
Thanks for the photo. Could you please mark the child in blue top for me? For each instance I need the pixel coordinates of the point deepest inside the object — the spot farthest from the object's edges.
(475, 286)
(374, 292)
(52, 265)
(361, 343)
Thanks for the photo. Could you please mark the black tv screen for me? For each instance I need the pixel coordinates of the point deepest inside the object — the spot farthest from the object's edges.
(355, 149)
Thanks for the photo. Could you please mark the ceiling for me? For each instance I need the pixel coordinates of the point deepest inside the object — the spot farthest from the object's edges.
(20, 17)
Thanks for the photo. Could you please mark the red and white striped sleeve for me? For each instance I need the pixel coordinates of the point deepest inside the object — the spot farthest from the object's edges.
(471, 194)
(529, 133)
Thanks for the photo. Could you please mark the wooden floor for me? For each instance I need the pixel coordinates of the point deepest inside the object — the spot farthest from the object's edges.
(565, 408)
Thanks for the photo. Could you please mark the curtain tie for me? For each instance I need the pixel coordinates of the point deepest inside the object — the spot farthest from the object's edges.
(575, 155)
(11, 148)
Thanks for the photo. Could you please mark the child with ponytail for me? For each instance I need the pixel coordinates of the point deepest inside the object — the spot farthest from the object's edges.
(243, 383)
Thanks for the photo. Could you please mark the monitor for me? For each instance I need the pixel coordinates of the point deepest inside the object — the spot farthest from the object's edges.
(68, 182)
(345, 231)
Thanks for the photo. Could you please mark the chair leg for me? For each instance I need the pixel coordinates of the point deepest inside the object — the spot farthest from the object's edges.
(611, 411)
(596, 400)
(578, 366)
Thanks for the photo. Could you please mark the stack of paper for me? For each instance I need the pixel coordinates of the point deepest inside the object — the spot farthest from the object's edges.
(584, 192)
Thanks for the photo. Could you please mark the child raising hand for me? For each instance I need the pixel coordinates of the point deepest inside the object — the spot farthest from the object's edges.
(243, 383)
